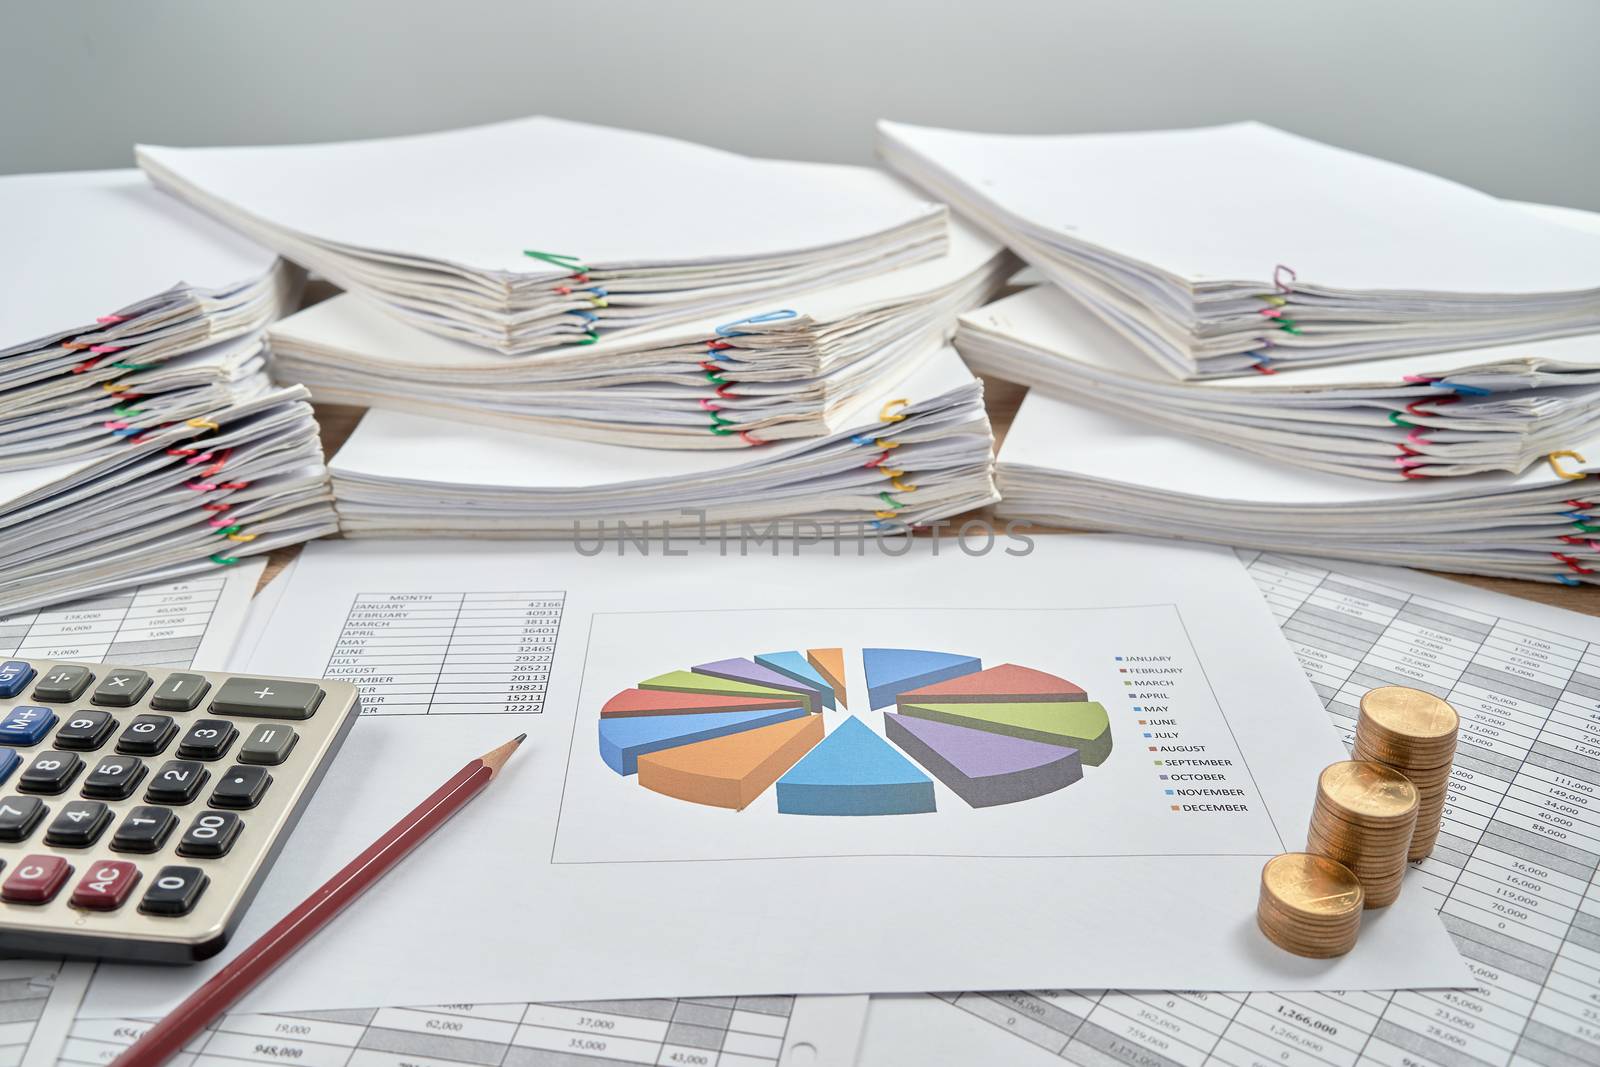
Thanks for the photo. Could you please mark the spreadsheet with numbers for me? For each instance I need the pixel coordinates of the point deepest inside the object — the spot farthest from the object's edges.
(712, 1032)
(1514, 872)
(449, 653)
(156, 625)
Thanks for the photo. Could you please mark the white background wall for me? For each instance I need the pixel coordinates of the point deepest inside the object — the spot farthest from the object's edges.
(1502, 94)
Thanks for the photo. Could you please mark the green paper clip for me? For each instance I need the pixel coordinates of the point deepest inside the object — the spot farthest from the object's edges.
(225, 561)
(557, 259)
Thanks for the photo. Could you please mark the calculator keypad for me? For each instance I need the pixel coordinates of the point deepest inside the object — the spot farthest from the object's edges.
(141, 804)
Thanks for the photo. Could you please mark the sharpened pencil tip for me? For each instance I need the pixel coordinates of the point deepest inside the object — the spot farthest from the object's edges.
(496, 758)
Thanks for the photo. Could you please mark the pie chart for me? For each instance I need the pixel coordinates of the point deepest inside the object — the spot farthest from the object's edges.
(722, 733)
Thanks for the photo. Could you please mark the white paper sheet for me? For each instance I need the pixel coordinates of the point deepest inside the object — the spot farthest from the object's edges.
(667, 200)
(1227, 203)
(606, 860)
(88, 244)
(1514, 873)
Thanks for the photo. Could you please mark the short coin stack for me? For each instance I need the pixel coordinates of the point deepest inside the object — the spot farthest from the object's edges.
(1414, 733)
(1310, 905)
(1364, 817)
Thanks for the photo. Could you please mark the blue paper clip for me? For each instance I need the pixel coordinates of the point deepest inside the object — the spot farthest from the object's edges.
(728, 330)
(1464, 390)
(1567, 579)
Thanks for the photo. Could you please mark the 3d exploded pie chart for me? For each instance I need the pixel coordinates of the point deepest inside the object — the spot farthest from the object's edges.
(722, 733)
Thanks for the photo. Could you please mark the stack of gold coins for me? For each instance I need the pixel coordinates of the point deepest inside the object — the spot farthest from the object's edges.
(1310, 905)
(1364, 816)
(1415, 733)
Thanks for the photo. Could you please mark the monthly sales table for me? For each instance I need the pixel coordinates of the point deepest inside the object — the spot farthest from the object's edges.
(449, 653)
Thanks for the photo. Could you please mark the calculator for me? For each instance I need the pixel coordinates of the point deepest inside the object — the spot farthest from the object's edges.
(140, 808)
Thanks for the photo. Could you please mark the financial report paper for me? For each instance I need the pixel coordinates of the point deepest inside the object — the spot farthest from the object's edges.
(1189, 745)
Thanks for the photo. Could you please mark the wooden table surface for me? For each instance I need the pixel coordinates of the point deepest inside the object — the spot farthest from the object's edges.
(338, 421)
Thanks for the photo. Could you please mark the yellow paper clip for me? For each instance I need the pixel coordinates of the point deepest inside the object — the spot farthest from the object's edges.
(885, 514)
(113, 387)
(885, 445)
(1275, 301)
(889, 409)
(203, 424)
(901, 486)
(890, 472)
(1568, 475)
(241, 537)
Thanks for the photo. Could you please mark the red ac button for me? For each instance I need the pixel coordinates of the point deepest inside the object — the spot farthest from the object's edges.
(106, 885)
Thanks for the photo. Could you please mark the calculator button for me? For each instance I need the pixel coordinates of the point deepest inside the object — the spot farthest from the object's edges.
(19, 816)
(174, 891)
(85, 730)
(78, 824)
(25, 725)
(240, 787)
(268, 743)
(180, 692)
(207, 739)
(50, 772)
(211, 834)
(177, 782)
(63, 684)
(114, 778)
(9, 761)
(14, 675)
(106, 885)
(265, 698)
(36, 880)
(147, 735)
(120, 688)
(144, 829)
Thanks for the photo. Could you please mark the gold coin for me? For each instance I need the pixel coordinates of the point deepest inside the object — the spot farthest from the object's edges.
(1313, 884)
(1410, 712)
(1367, 790)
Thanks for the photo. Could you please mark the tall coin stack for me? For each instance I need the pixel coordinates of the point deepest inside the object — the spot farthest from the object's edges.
(1414, 733)
(1364, 817)
(1310, 905)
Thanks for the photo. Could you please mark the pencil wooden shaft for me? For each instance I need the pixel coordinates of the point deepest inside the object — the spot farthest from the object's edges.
(167, 1038)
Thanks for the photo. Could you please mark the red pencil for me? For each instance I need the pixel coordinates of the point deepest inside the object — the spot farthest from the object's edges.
(166, 1038)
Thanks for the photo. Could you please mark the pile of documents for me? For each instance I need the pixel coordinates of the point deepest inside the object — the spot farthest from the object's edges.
(172, 501)
(535, 233)
(756, 374)
(1067, 464)
(1240, 248)
(921, 455)
(123, 310)
(1452, 413)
